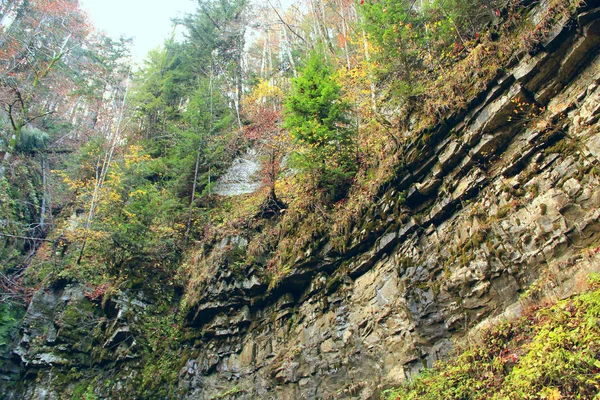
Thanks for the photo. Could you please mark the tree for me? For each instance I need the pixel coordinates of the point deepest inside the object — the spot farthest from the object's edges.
(199, 155)
(135, 222)
(265, 110)
(33, 45)
(417, 38)
(98, 71)
(216, 38)
(316, 117)
(186, 118)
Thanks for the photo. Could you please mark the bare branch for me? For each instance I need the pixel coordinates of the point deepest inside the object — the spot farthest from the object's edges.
(285, 23)
(26, 238)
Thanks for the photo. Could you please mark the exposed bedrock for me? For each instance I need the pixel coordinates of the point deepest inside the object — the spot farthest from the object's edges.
(505, 191)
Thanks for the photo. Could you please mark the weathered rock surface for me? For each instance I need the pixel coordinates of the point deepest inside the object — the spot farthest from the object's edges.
(241, 178)
(455, 241)
(484, 216)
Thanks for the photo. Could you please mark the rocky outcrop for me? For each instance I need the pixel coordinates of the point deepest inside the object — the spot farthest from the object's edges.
(241, 177)
(510, 188)
(498, 196)
(66, 329)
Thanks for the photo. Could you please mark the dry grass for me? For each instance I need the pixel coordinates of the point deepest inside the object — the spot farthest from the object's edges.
(308, 220)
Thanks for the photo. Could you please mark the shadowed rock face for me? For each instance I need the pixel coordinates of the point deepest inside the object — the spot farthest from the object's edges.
(241, 178)
(472, 221)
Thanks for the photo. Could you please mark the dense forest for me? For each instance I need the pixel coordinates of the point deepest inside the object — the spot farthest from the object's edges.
(109, 169)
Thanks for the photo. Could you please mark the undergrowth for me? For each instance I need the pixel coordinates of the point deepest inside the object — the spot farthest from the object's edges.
(548, 353)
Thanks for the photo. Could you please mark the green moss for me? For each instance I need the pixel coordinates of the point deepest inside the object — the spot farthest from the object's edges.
(553, 352)
(563, 147)
(434, 285)
(10, 318)
(79, 391)
(228, 393)
(333, 282)
(507, 209)
(77, 325)
(533, 191)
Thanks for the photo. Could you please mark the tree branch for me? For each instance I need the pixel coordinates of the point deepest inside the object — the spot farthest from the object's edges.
(26, 238)
(285, 23)
(36, 117)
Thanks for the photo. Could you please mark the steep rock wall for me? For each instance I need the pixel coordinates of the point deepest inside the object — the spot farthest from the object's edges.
(509, 192)
(503, 194)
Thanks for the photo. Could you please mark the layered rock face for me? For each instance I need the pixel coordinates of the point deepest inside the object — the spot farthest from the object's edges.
(510, 190)
(508, 193)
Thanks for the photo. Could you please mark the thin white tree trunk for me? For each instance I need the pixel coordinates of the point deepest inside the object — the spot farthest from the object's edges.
(288, 49)
(345, 33)
(372, 82)
(100, 179)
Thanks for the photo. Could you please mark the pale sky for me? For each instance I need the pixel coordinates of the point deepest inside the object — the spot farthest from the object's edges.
(147, 21)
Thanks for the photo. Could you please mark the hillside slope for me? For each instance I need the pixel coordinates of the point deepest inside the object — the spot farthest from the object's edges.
(495, 207)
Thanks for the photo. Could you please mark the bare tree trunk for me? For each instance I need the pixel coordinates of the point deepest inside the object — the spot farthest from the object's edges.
(345, 34)
(212, 114)
(269, 54)
(285, 23)
(317, 27)
(288, 50)
(263, 61)
(372, 81)
(193, 197)
(100, 179)
(4, 10)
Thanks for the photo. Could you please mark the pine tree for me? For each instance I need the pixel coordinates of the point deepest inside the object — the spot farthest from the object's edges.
(316, 117)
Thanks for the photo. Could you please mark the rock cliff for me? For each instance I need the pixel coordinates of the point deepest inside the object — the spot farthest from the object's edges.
(497, 197)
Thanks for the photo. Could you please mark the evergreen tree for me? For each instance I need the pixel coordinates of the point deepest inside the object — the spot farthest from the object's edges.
(316, 117)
